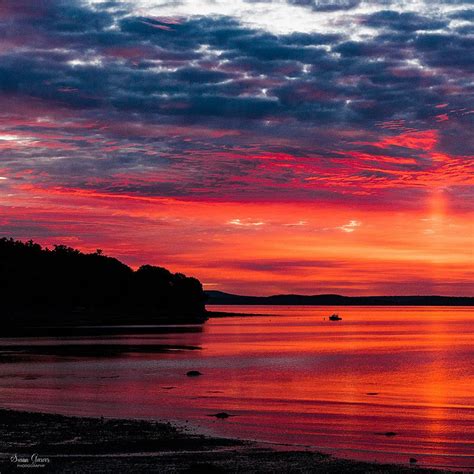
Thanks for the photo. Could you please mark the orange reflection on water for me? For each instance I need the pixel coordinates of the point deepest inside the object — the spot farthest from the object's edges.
(290, 376)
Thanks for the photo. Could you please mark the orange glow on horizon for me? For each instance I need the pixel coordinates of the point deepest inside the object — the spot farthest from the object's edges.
(266, 248)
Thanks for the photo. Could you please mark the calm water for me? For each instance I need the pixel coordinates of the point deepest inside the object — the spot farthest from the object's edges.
(289, 376)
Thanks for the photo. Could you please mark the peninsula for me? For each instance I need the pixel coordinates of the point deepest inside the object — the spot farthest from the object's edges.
(64, 287)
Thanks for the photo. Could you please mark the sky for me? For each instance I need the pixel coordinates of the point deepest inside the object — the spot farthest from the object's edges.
(286, 146)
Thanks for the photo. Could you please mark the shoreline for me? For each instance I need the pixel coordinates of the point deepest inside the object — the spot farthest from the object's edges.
(229, 314)
(87, 444)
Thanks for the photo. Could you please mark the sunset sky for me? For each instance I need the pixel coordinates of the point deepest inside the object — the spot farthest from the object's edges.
(286, 146)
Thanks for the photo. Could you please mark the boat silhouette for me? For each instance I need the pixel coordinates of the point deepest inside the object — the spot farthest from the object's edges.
(335, 317)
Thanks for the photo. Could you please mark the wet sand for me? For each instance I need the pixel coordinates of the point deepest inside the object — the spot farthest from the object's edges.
(85, 445)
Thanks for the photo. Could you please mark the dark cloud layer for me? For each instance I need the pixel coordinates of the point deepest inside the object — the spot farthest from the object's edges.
(176, 103)
(327, 5)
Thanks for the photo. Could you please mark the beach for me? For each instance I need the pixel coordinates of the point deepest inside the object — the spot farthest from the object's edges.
(58, 443)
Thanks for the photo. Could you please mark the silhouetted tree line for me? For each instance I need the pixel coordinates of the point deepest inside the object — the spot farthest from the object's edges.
(66, 286)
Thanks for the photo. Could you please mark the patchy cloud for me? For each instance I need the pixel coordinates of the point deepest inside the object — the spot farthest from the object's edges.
(322, 102)
(350, 227)
(113, 92)
(246, 223)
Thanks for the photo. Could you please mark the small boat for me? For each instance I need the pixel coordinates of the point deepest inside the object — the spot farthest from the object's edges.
(335, 317)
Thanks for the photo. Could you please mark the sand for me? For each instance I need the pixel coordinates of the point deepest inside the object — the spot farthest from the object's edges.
(56, 443)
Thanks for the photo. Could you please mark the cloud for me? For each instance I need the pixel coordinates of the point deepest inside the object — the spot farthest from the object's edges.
(132, 99)
(296, 224)
(245, 223)
(327, 5)
(404, 21)
(174, 117)
(350, 227)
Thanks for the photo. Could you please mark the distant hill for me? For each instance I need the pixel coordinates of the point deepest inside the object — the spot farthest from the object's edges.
(219, 297)
(65, 287)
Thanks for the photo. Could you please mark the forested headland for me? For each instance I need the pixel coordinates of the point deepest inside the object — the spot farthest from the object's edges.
(63, 286)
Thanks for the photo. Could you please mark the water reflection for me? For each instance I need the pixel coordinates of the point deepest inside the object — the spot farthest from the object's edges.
(289, 377)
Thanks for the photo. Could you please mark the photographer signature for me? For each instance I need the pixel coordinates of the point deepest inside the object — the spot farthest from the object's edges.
(35, 460)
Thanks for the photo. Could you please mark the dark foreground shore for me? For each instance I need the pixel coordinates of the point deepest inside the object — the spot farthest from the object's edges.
(55, 443)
